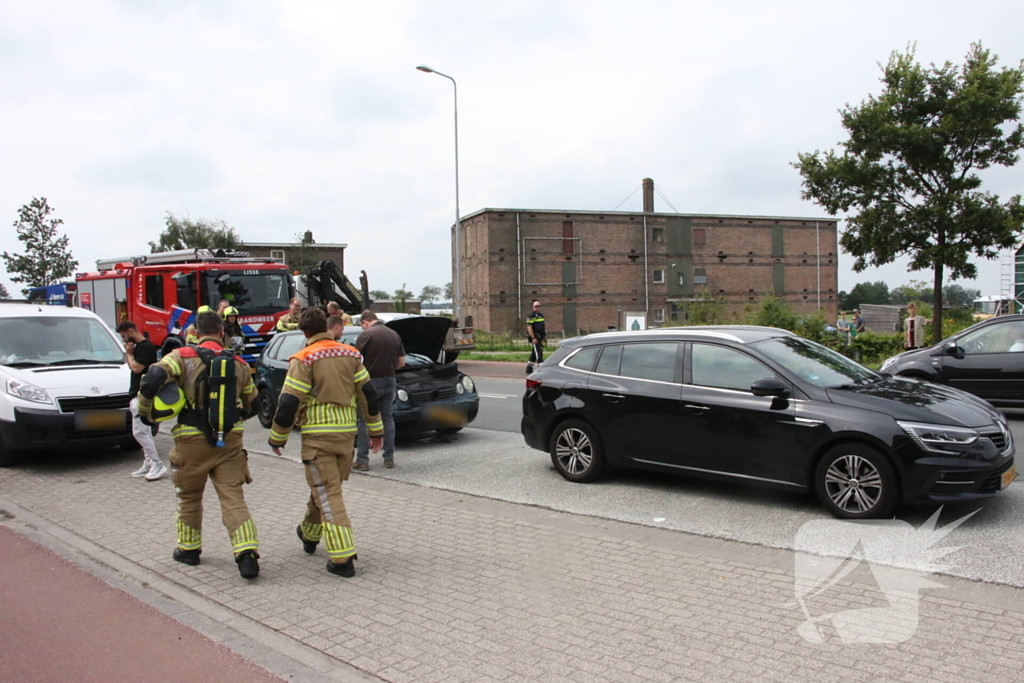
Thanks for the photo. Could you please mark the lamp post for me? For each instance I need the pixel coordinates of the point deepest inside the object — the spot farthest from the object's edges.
(457, 310)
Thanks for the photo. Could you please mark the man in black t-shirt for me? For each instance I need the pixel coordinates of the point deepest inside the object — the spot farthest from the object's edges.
(141, 354)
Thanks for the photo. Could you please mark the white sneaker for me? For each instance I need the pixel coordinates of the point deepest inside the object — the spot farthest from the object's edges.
(142, 471)
(158, 472)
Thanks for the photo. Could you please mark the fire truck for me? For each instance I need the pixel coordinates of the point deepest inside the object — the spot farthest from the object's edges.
(161, 292)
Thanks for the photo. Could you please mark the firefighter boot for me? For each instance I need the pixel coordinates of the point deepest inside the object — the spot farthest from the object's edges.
(189, 557)
(345, 569)
(248, 565)
(308, 546)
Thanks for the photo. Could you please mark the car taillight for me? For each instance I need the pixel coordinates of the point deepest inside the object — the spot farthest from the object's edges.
(533, 383)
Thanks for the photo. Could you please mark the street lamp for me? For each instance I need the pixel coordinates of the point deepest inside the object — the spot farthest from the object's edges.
(458, 255)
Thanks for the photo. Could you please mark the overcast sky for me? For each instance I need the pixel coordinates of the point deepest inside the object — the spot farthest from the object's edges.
(278, 117)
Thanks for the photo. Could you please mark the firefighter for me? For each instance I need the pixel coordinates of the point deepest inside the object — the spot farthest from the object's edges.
(234, 337)
(325, 384)
(190, 332)
(193, 459)
(290, 320)
(536, 334)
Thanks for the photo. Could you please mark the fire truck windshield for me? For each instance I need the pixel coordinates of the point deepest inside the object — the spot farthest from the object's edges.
(251, 293)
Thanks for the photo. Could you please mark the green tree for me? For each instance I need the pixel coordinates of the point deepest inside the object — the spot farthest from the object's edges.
(917, 290)
(430, 294)
(4, 294)
(401, 296)
(47, 258)
(301, 254)
(908, 172)
(447, 294)
(185, 233)
(377, 294)
(957, 295)
(864, 293)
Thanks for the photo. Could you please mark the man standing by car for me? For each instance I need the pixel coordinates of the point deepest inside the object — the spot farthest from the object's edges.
(536, 334)
(141, 354)
(383, 354)
(326, 382)
(290, 320)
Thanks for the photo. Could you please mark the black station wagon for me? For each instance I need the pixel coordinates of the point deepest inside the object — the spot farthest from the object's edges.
(761, 405)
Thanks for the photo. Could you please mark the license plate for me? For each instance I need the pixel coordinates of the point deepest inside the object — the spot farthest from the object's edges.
(100, 420)
(1008, 477)
(446, 417)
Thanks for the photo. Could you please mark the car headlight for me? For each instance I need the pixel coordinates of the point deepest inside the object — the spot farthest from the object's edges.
(459, 389)
(468, 383)
(939, 438)
(403, 396)
(24, 390)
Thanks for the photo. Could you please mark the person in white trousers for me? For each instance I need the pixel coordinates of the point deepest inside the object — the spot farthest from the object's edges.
(141, 354)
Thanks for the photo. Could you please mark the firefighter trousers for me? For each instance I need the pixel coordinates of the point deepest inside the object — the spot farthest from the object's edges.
(328, 460)
(193, 461)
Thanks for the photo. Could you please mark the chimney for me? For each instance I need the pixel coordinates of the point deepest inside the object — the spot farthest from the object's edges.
(648, 195)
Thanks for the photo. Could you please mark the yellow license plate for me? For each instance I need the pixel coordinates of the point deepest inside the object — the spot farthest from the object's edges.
(1008, 477)
(446, 417)
(100, 420)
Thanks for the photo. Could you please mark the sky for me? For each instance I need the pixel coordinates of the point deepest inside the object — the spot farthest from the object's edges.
(282, 117)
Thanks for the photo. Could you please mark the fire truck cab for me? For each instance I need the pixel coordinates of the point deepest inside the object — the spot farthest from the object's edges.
(161, 292)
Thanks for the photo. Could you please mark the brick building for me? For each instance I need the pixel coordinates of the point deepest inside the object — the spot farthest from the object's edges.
(299, 255)
(592, 269)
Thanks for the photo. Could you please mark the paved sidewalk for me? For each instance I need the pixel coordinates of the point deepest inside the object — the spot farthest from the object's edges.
(452, 587)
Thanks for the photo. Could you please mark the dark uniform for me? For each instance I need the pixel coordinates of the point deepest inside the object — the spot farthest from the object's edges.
(536, 324)
(322, 390)
(194, 460)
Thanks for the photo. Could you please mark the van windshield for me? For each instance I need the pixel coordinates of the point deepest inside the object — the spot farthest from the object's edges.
(56, 340)
(251, 293)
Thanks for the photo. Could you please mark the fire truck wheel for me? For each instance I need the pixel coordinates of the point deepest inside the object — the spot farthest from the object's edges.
(266, 406)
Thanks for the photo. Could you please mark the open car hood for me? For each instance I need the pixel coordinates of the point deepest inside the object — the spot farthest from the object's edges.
(423, 334)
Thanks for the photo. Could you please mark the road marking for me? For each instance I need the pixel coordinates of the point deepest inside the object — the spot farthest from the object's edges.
(502, 396)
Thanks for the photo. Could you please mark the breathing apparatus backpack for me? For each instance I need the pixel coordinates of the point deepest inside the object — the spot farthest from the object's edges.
(215, 412)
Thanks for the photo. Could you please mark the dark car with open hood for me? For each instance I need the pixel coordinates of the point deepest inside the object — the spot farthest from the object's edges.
(430, 396)
(759, 405)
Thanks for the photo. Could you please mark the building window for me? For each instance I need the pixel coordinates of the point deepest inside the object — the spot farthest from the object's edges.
(659, 315)
(277, 254)
(659, 276)
(567, 234)
(657, 234)
(699, 236)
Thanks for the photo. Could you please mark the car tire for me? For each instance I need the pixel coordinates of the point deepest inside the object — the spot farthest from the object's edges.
(266, 406)
(8, 456)
(576, 451)
(855, 481)
(130, 444)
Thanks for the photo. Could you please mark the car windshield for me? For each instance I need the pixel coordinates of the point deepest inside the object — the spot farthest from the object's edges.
(250, 292)
(56, 340)
(815, 363)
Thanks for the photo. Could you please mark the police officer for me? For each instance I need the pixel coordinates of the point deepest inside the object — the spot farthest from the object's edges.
(326, 381)
(290, 320)
(193, 459)
(190, 332)
(536, 334)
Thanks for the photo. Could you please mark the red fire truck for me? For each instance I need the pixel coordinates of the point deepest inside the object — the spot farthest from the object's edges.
(160, 292)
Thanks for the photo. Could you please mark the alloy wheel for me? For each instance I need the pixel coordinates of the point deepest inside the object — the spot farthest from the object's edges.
(574, 451)
(853, 484)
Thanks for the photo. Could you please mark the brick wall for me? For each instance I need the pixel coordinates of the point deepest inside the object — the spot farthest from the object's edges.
(742, 259)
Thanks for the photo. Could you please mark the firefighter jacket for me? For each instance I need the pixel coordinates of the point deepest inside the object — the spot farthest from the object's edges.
(327, 378)
(182, 367)
(287, 323)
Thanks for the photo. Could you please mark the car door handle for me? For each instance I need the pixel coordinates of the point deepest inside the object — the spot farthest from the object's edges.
(697, 409)
(614, 397)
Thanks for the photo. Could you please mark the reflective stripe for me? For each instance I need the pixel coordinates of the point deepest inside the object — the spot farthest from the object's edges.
(328, 429)
(293, 383)
(379, 424)
(188, 538)
(361, 375)
(244, 537)
(174, 365)
(278, 436)
(339, 541)
(312, 532)
(249, 389)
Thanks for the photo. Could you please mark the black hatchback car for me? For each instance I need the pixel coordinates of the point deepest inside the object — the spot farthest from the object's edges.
(430, 396)
(986, 359)
(761, 405)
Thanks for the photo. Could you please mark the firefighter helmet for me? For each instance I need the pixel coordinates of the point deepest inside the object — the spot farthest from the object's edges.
(167, 403)
(230, 310)
(204, 309)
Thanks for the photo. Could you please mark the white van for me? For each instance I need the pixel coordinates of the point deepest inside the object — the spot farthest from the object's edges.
(64, 381)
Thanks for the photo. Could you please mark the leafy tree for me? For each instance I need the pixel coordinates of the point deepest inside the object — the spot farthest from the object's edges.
(377, 294)
(447, 294)
(865, 293)
(908, 172)
(185, 233)
(430, 294)
(957, 295)
(301, 254)
(4, 294)
(917, 290)
(47, 259)
(401, 296)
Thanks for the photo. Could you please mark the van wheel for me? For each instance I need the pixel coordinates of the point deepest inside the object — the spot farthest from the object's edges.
(266, 407)
(576, 452)
(855, 481)
(8, 457)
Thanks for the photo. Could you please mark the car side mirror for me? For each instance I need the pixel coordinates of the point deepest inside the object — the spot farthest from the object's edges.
(953, 350)
(769, 386)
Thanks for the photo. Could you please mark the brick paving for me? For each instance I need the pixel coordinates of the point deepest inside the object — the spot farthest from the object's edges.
(452, 587)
